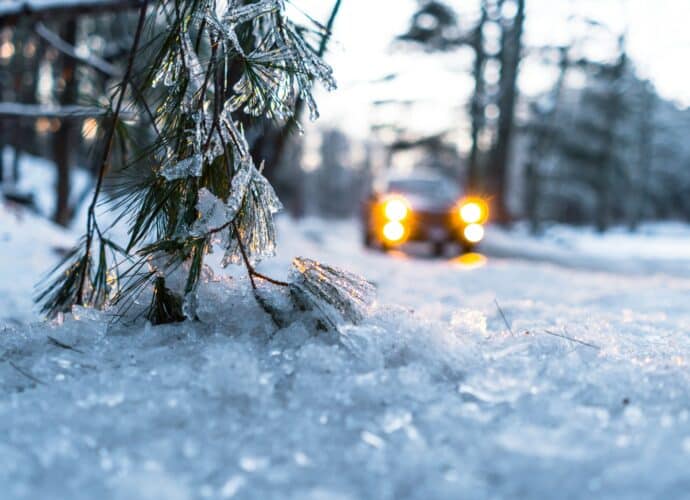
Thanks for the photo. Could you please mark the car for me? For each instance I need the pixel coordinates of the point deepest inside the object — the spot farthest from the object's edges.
(423, 208)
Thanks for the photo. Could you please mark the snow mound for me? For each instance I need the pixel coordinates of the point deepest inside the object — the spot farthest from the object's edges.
(572, 384)
(398, 406)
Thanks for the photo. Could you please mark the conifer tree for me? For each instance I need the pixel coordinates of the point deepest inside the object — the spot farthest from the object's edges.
(194, 185)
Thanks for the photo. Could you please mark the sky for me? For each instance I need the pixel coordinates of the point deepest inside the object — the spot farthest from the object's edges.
(362, 53)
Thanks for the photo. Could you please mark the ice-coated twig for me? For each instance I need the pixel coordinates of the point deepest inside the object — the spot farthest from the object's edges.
(253, 273)
(243, 13)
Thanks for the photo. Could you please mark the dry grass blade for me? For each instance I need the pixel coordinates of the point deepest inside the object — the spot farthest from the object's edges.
(62, 345)
(505, 320)
(26, 374)
(572, 339)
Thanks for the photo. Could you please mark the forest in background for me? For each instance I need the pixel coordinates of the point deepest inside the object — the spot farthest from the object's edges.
(601, 147)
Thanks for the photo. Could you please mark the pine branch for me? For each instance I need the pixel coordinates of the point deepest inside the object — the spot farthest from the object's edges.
(91, 223)
(195, 185)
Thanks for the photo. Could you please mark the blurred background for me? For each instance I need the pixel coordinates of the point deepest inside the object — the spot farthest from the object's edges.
(557, 111)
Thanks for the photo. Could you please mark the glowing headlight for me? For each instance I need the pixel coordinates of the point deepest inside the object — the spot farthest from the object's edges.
(474, 233)
(393, 231)
(471, 212)
(395, 209)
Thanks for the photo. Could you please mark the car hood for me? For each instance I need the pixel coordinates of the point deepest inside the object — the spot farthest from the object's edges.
(426, 204)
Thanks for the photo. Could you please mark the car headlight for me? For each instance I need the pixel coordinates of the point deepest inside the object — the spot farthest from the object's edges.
(395, 209)
(474, 233)
(393, 231)
(473, 211)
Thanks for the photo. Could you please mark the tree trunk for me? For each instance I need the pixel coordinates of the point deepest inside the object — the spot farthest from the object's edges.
(25, 67)
(2, 133)
(540, 147)
(613, 114)
(63, 138)
(477, 104)
(644, 152)
(511, 47)
(2, 149)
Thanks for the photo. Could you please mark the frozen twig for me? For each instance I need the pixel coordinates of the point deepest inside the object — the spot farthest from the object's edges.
(253, 273)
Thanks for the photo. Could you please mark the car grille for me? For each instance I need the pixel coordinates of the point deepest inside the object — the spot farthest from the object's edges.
(431, 226)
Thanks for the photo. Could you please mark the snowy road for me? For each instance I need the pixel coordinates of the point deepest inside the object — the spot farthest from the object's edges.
(432, 397)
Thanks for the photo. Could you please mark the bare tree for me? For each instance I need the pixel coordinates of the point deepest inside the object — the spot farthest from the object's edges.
(509, 58)
(543, 131)
(435, 27)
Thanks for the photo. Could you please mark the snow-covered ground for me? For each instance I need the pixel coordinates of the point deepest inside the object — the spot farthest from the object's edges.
(38, 178)
(29, 246)
(652, 248)
(586, 393)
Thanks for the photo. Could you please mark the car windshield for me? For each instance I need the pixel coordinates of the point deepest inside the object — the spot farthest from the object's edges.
(428, 188)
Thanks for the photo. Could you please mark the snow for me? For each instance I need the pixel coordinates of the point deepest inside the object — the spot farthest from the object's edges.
(29, 246)
(433, 395)
(652, 248)
(38, 177)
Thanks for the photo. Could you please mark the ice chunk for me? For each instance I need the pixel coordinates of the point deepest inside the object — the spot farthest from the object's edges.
(189, 167)
(372, 439)
(468, 321)
(213, 213)
(395, 419)
(232, 486)
(190, 305)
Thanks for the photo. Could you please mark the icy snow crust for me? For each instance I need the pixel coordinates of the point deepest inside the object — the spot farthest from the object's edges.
(433, 398)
